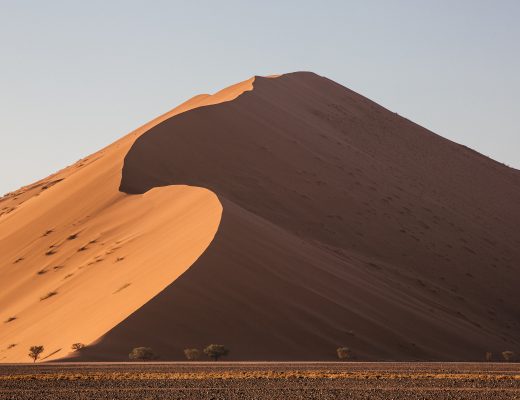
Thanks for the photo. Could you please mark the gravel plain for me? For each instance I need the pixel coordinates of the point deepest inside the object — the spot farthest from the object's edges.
(239, 380)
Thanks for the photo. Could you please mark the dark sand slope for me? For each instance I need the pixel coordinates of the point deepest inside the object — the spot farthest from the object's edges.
(343, 224)
(313, 218)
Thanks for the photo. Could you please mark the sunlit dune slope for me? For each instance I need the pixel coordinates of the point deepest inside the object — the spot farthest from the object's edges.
(78, 256)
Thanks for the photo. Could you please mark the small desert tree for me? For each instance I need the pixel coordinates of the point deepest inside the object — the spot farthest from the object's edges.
(142, 354)
(215, 351)
(192, 354)
(35, 351)
(77, 346)
(343, 353)
(508, 355)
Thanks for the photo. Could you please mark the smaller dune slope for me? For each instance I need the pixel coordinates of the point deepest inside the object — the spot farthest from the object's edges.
(78, 256)
(100, 269)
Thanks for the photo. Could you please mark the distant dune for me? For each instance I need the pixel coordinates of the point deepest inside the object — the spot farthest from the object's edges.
(283, 217)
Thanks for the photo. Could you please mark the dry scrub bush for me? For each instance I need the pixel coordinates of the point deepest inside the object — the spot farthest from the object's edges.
(215, 351)
(35, 351)
(192, 354)
(142, 354)
(343, 353)
(77, 346)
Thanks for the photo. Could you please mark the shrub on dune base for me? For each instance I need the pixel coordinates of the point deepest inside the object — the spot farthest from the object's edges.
(192, 354)
(142, 354)
(77, 346)
(35, 351)
(343, 353)
(215, 351)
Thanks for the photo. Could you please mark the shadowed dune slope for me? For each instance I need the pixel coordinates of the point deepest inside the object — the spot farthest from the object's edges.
(343, 224)
(337, 222)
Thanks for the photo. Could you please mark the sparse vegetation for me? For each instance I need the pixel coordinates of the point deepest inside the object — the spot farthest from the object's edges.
(9, 319)
(215, 351)
(343, 353)
(50, 294)
(192, 354)
(142, 354)
(73, 236)
(77, 346)
(35, 351)
(508, 355)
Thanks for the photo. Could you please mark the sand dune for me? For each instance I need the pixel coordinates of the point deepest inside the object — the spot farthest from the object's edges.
(313, 218)
(94, 253)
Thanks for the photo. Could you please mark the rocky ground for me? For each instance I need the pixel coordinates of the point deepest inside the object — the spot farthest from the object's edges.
(221, 380)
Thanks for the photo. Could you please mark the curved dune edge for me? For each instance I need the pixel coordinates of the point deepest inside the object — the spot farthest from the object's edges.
(345, 224)
(94, 254)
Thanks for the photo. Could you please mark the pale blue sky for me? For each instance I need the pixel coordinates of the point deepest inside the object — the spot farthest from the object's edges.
(77, 75)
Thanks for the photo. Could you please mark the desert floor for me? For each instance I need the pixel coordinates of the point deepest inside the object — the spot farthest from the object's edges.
(238, 380)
